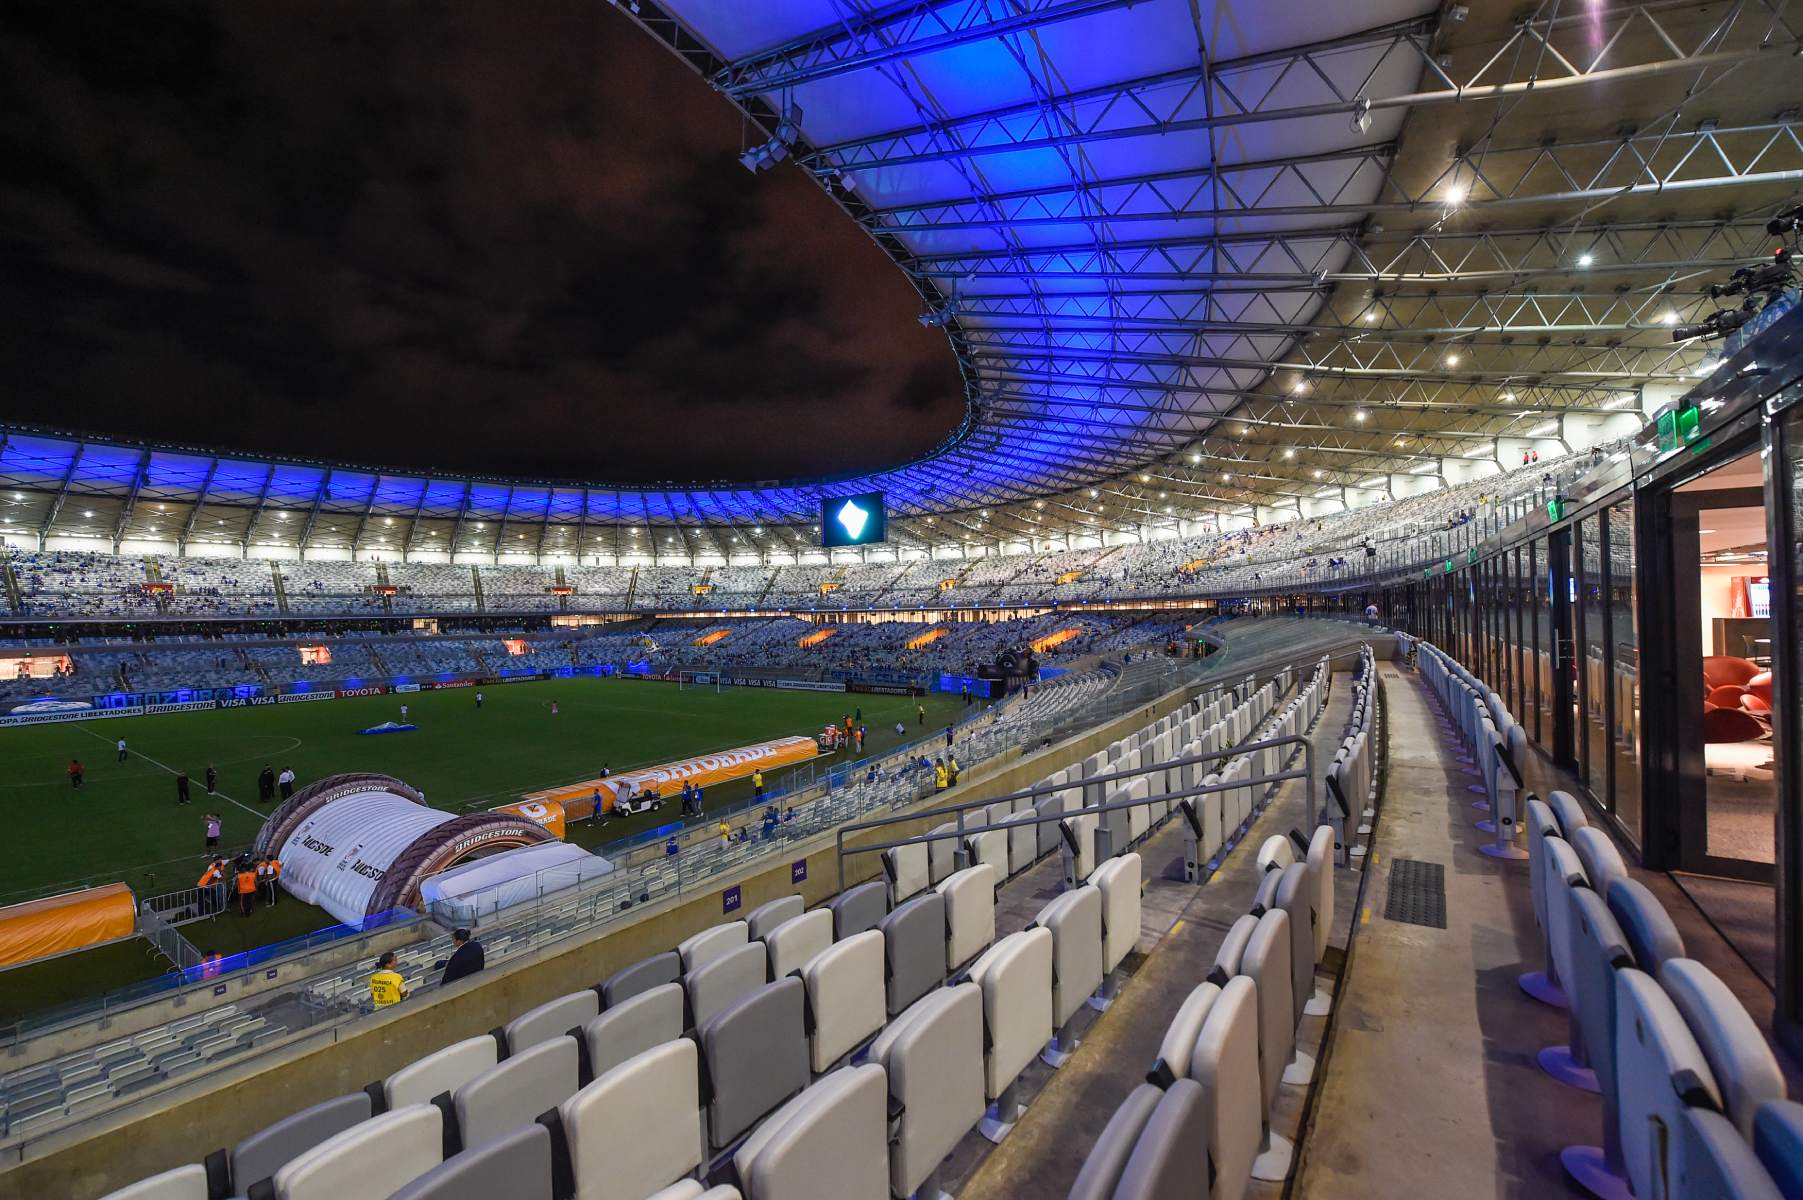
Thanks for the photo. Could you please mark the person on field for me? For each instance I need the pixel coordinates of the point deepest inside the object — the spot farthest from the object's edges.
(286, 781)
(386, 985)
(403, 714)
(211, 821)
(266, 784)
(204, 885)
(121, 748)
(75, 773)
(467, 959)
(920, 714)
(247, 888)
(554, 708)
(478, 699)
(212, 778)
(181, 787)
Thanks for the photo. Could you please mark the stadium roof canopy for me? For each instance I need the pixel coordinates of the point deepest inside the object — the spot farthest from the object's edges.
(1193, 258)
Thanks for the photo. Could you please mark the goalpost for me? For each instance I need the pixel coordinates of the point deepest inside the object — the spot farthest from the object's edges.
(692, 679)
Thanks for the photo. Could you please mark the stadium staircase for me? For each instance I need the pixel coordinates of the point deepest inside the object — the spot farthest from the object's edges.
(13, 600)
(768, 584)
(281, 589)
(558, 579)
(888, 585)
(381, 582)
(262, 671)
(381, 667)
(632, 586)
(476, 582)
(481, 663)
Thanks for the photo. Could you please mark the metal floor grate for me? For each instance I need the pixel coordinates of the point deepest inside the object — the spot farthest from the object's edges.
(1417, 893)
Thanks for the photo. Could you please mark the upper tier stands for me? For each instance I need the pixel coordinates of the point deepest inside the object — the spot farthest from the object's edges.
(1304, 551)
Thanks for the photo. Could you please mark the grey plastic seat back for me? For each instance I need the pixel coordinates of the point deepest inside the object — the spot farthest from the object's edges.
(1295, 897)
(1714, 1160)
(641, 977)
(441, 1071)
(1075, 919)
(756, 1056)
(703, 948)
(552, 1019)
(1745, 1070)
(516, 1165)
(1225, 1063)
(846, 997)
(516, 1090)
(1778, 1141)
(1568, 812)
(1652, 1046)
(1233, 946)
(376, 1157)
(1267, 964)
(740, 970)
(1601, 860)
(942, 852)
(765, 918)
(1562, 872)
(859, 908)
(933, 1054)
(831, 1140)
(1102, 1170)
(182, 1183)
(914, 949)
(1644, 922)
(794, 943)
(1046, 832)
(632, 1027)
(1540, 822)
(1171, 1155)
(258, 1156)
(637, 1129)
(969, 913)
(1597, 948)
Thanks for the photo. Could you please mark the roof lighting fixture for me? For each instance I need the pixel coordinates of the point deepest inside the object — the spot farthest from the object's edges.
(1586, 258)
(1455, 195)
(1299, 387)
(1194, 459)
(1319, 472)
(1359, 415)
(1371, 315)
(88, 513)
(1289, 452)
(1452, 359)
(1093, 493)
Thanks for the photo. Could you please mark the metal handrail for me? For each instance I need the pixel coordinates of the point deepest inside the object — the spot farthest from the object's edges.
(963, 830)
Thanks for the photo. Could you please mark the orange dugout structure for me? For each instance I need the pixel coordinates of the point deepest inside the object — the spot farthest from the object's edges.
(72, 921)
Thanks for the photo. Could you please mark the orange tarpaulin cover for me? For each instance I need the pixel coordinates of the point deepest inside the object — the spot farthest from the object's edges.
(704, 769)
(39, 928)
(548, 813)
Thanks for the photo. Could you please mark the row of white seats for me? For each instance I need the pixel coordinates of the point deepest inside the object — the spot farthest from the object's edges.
(1350, 782)
(1200, 1124)
(1693, 1099)
(1498, 744)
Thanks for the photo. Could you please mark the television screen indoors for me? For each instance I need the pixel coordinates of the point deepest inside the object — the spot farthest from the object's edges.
(853, 520)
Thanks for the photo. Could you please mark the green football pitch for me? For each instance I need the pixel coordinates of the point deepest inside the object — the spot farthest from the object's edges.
(124, 825)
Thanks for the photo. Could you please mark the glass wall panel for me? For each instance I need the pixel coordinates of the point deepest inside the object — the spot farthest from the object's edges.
(1540, 583)
(1624, 657)
(1593, 661)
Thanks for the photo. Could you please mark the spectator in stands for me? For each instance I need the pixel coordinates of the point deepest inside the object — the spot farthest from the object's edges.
(757, 784)
(941, 777)
(951, 770)
(697, 795)
(181, 787)
(121, 749)
(286, 780)
(948, 737)
(247, 887)
(211, 821)
(266, 784)
(386, 985)
(467, 959)
(75, 773)
(212, 778)
(771, 821)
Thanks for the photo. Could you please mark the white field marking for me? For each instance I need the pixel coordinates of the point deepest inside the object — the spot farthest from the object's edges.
(261, 816)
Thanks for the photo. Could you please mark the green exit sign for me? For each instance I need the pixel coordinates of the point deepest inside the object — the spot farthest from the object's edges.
(1449, 566)
(1678, 427)
(1555, 509)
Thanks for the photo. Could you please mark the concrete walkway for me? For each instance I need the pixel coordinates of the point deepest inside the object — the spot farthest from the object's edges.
(1430, 1086)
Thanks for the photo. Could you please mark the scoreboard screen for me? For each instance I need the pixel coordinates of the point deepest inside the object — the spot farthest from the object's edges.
(853, 520)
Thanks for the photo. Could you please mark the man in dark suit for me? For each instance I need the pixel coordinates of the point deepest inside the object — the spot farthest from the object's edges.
(466, 959)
